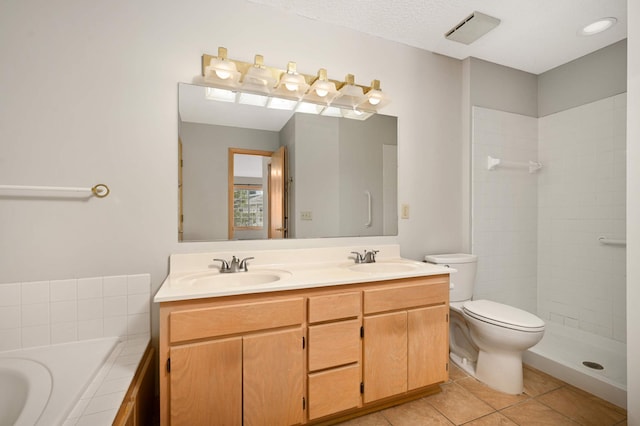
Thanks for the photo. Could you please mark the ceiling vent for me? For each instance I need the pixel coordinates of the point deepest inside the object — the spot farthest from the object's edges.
(472, 28)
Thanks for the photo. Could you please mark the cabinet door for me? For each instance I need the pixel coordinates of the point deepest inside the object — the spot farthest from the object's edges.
(273, 378)
(385, 355)
(428, 346)
(206, 383)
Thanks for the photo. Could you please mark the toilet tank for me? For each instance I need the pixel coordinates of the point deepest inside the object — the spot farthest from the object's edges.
(463, 280)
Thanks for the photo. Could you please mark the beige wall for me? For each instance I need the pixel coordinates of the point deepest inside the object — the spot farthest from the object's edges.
(596, 76)
(89, 95)
(502, 88)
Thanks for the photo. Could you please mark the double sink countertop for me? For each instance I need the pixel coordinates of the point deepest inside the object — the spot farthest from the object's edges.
(197, 275)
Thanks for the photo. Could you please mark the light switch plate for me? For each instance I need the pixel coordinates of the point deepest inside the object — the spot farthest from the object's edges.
(405, 211)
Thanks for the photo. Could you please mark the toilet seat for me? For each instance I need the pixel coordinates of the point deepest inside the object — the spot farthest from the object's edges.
(503, 315)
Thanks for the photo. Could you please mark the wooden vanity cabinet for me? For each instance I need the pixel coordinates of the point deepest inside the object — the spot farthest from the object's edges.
(406, 332)
(334, 355)
(428, 346)
(233, 363)
(202, 391)
(305, 356)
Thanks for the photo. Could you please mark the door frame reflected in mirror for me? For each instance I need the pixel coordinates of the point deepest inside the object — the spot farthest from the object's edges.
(265, 184)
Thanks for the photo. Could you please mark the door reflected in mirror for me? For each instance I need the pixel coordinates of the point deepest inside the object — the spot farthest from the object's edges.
(249, 172)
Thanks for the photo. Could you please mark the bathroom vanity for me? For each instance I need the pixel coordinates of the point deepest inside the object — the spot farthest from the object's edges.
(299, 342)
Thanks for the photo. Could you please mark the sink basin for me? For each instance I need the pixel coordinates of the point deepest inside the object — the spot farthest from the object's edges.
(237, 279)
(384, 267)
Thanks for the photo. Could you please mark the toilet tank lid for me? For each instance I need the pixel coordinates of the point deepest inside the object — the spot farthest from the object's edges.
(503, 314)
(451, 258)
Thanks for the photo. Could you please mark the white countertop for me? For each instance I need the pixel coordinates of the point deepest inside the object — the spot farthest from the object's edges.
(195, 276)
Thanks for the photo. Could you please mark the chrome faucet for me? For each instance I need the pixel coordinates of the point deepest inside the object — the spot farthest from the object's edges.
(235, 265)
(367, 257)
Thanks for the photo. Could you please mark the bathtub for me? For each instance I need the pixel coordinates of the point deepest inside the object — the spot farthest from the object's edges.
(41, 386)
(562, 351)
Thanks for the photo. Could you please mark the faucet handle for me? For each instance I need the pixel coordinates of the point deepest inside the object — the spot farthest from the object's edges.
(243, 263)
(359, 257)
(224, 265)
(370, 256)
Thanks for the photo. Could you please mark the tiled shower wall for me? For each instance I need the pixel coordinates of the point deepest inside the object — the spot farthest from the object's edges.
(49, 312)
(504, 208)
(582, 196)
(536, 235)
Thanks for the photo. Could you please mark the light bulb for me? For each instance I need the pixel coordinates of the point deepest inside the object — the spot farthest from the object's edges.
(322, 92)
(374, 99)
(222, 74)
(292, 87)
(357, 112)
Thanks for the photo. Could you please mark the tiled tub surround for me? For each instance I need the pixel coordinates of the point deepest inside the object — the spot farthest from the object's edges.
(108, 316)
(49, 312)
(537, 234)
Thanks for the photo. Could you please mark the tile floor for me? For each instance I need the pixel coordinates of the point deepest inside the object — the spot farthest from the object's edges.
(465, 401)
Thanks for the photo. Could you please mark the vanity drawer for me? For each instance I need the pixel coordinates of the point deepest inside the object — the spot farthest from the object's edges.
(334, 344)
(232, 319)
(334, 390)
(426, 291)
(334, 306)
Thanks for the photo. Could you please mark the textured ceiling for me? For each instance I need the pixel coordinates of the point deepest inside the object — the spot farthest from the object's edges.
(534, 35)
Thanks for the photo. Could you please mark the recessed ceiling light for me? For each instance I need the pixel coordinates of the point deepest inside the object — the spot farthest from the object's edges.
(597, 26)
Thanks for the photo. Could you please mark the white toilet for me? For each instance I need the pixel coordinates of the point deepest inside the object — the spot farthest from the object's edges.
(486, 339)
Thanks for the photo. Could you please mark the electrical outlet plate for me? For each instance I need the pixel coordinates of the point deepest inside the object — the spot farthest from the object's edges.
(306, 216)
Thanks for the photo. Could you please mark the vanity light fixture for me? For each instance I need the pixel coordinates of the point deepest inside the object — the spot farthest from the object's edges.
(598, 26)
(322, 90)
(258, 78)
(256, 84)
(221, 70)
(291, 83)
(375, 97)
(351, 95)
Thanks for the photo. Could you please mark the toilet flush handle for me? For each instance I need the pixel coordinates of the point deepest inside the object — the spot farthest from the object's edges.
(451, 284)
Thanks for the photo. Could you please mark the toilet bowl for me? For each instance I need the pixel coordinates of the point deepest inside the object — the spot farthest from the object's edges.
(502, 333)
(486, 338)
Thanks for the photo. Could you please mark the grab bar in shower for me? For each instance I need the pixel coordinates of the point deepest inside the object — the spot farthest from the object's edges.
(494, 163)
(612, 241)
(100, 190)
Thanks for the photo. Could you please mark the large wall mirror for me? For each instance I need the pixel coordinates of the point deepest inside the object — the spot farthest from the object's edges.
(249, 172)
